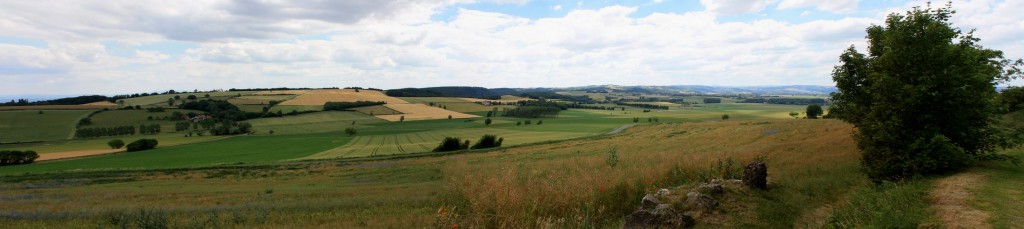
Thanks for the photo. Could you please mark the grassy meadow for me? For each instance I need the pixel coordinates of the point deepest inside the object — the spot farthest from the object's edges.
(38, 125)
(812, 163)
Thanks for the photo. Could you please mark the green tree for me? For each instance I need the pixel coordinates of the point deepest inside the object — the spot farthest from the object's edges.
(814, 110)
(170, 101)
(401, 119)
(725, 117)
(191, 97)
(1012, 98)
(115, 144)
(793, 114)
(922, 98)
(449, 116)
(350, 131)
(487, 121)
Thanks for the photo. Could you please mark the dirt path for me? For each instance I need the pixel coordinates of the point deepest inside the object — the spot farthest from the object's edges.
(620, 129)
(950, 200)
(73, 154)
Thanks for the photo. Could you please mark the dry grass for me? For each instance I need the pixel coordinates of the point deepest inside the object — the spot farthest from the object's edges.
(413, 112)
(319, 97)
(950, 200)
(74, 154)
(575, 184)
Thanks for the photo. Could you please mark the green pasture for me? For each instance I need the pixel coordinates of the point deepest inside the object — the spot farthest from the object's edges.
(241, 149)
(164, 139)
(30, 125)
(312, 122)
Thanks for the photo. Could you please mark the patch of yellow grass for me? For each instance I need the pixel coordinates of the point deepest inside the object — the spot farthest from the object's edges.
(413, 112)
(319, 97)
(74, 154)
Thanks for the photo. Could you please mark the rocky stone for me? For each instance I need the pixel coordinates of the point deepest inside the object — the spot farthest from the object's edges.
(755, 175)
(649, 202)
(663, 192)
(714, 189)
(663, 216)
(702, 201)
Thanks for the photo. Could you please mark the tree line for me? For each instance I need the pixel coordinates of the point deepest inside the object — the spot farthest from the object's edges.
(93, 132)
(643, 105)
(341, 106)
(62, 101)
(532, 112)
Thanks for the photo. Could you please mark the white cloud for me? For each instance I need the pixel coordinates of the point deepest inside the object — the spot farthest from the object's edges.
(556, 7)
(388, 49)
(834, 6)
(730, 7)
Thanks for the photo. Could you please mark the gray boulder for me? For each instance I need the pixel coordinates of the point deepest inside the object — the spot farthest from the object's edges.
(714, 189)
(662, 216)
(702, 201)
(649, 202)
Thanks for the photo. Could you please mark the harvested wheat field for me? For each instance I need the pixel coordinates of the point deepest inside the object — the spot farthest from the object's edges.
(319, 97)
(420, 112)
(282, 92)
(74, 154)
(504, 99)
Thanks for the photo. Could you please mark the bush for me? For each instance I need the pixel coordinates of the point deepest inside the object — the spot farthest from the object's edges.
(487, 121)
(142, 144)
(350, 131)
(451, 144)
(115, 144)
(488, 141)
(14, 157)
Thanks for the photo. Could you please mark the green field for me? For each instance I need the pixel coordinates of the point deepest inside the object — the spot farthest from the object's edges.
(313, 122)
(417, 142)
(164, 139)
(289, 108)
(240, 149)
(113, 118)
(30, 125)
(454, 104)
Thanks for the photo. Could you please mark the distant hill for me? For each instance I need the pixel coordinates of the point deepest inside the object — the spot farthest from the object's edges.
(701, 89)
(467, 92)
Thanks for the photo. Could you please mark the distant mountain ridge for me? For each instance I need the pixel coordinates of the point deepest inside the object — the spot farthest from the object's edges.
(702, 89)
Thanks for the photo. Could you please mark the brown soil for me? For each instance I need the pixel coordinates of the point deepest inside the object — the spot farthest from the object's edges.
(73, 154)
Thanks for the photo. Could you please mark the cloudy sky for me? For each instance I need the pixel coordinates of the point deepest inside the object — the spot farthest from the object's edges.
(122, 46)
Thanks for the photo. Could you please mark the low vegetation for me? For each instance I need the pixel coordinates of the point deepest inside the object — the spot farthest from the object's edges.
(142, 144)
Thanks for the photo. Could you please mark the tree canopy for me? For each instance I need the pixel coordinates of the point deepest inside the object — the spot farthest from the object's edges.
(923, 98)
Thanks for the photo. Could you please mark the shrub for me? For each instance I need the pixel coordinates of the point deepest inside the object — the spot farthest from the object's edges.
(115, 144)
(487, 121)
(350, 131)
(488, 141)
(451, 144)
(142, 144)
(725, 117)
(14, 157)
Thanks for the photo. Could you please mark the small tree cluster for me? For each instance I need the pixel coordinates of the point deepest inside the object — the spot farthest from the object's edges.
(142, 144)
(452, 144)
(115, 144)
(350, 131)
(533, 111)
(14, 157)
(488, 141)
(182, 126)
(149, 129)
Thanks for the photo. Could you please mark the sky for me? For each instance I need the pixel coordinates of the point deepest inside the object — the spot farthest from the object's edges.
(111, 47)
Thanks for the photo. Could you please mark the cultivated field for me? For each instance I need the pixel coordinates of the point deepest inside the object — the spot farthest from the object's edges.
(413, 112)
(259, 99)
(326, 121)
(37, 125)
(90, 106)
(112, 118)
(376, 110)
(164, 139)
(419, 142)
(319, 97)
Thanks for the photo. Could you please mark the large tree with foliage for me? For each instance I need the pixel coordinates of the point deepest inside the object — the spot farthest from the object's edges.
(923, 97)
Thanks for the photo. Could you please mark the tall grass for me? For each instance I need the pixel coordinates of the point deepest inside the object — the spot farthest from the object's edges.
(574, 184)
(889, 205)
